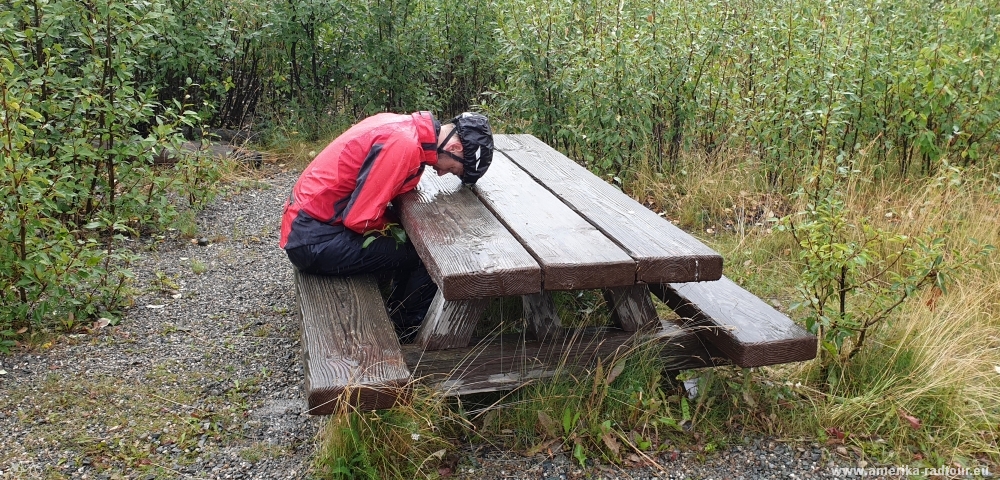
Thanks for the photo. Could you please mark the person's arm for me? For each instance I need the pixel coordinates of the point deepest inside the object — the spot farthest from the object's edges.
(378, 183)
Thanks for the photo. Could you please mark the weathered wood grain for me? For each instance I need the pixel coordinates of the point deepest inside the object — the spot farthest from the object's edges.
(664, 252)
(631, 307)
(349, 346)
(467, 252)
(510, 361)
(450, 324)
(747, 330)
(542, 316)
(572, 253)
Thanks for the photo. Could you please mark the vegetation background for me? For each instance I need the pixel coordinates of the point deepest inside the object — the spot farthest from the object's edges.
(842, 155)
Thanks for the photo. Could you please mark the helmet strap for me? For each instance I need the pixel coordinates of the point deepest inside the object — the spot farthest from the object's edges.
(447, 138)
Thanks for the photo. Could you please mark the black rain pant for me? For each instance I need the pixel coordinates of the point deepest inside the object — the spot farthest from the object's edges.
(342, 254)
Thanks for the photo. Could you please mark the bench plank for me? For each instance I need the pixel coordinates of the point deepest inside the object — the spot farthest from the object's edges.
(349, 345)
(510, 361)
(572, 253)
(747, 330)
(664, 252)
(467, 252)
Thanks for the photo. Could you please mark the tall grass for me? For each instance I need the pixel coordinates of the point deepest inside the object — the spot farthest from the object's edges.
(926, 389)
(937, 360)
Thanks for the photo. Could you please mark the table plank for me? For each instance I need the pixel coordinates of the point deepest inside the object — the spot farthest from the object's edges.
(468, 253)
(664, 252)
(572, 253)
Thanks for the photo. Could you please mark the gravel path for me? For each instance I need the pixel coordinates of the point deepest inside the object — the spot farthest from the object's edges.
(202, 377)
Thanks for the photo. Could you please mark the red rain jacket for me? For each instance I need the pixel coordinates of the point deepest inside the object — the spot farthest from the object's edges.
(351, 182)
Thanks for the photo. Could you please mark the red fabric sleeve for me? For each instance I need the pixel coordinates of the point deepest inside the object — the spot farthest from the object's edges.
(399, 157)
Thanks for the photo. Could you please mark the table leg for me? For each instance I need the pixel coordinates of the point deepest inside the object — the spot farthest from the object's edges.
(450, 323)
(631, 307)
(541, 315)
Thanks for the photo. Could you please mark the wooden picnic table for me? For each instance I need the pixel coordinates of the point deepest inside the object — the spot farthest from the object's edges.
(537, 223)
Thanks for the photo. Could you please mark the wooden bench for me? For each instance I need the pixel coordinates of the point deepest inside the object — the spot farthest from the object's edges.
(349, 345)
(537, 223)
(748, 331)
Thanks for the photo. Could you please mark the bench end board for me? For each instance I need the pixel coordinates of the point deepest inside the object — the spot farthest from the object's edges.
(747, 330)
(349, 347)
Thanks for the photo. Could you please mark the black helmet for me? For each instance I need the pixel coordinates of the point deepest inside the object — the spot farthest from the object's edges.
(477, 144)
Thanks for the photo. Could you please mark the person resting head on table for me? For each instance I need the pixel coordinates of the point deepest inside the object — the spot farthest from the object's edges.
(346, 191)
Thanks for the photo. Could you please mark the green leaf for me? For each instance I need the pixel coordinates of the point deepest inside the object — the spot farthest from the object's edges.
(580, 454)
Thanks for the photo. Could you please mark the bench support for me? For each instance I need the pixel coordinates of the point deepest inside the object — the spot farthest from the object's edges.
(631, 307)
(542, 317)
(508, 362)
(450, 324)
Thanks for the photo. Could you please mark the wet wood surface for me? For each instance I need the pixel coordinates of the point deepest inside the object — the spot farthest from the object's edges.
(467, 252)
(450, 323)
(631, 307)
(349, 346)
(510, 361)
(664, 252)
(742, 326)
(572, 253)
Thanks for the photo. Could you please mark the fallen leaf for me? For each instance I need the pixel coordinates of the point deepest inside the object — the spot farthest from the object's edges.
(101, 323)
(611, 443)
(836, 433)
(22, 330)
(541, 447)
(615, 372)
(546, 424)
(913, 421)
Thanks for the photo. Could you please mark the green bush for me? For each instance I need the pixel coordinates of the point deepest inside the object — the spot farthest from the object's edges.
(783, 83)
(79, 138)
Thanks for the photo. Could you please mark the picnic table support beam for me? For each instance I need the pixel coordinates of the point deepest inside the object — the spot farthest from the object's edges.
(542, 317)
(631, 307)
(450, 323)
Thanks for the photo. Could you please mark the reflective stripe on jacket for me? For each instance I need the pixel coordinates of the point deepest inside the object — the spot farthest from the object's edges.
(351, 182)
